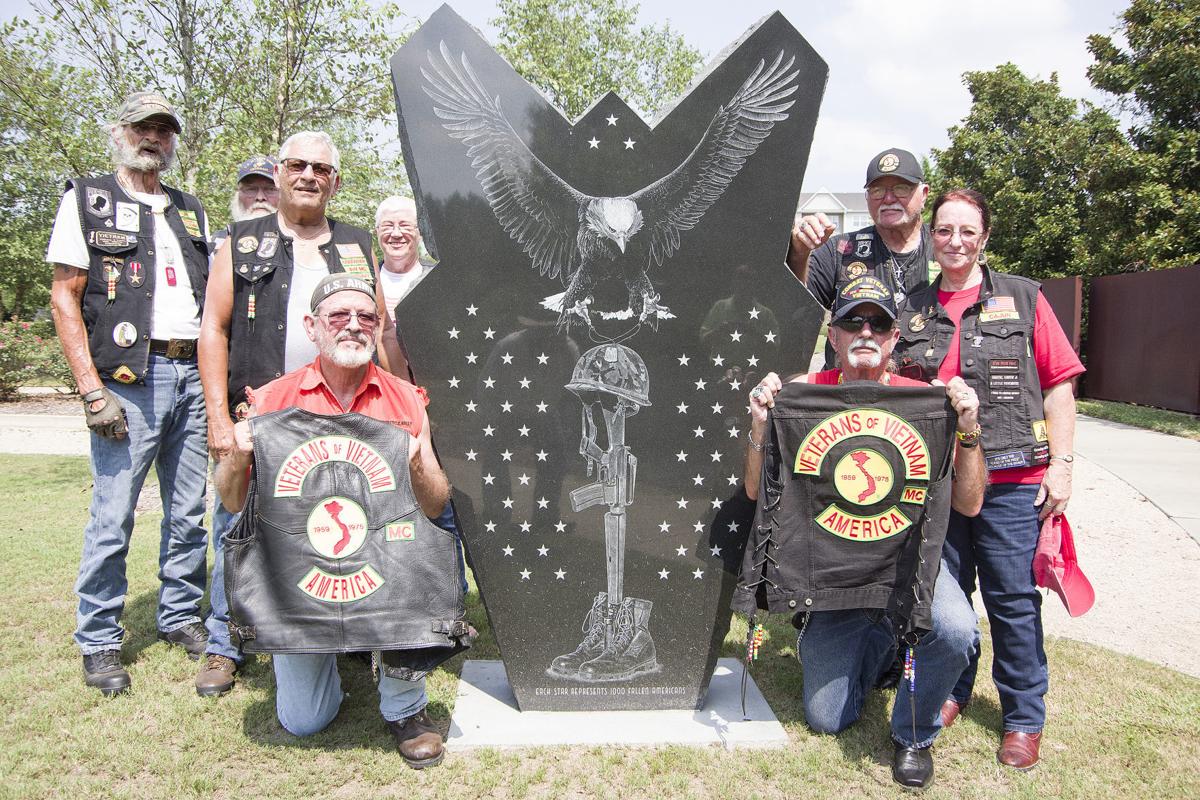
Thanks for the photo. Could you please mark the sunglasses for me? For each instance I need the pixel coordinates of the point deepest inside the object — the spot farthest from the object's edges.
(297, 166)
(879, 323)
(367, 320)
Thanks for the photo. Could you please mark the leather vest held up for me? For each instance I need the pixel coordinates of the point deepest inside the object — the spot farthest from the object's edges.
(333, 553)
(854, 502)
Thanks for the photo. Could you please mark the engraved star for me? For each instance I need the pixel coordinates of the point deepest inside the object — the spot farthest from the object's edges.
(523, 430)
(541, 455)
(752, 361)
(770, 336)
(611, 120)
(736, 336)
(506, 358)
(453, 382)
(559, 574)
(735, 385)
(526, 527)
(698, 480)
(733, 527)
(508, 502)
(733, 433)
(754, 313)
(453, 333)
(682, 407)
(508, 551)
(716, 455)
(491, 526)
(525, 574)
(472, 358)
(489, 479)
(543, 550)
(716, 502)
(698, 433)
(543, 358)
(543, 502)
(470, 454)
(717, 408)
(698, 527)
(523, 478)
(506, 407)
(732, 479)
(681, 550)
(629, 143)
(683, 360)
(560, 527)
(662, 574)
(701, 384)
(718, 361)
(698, 573)
(541, 407)
(524, 383)
(681, 502)
(489, 334)
(716, 551)
(681, 456)
(489, 381)
(664, 526)
(471, 310)
(506, 455)
(594, 143)
(489, 430)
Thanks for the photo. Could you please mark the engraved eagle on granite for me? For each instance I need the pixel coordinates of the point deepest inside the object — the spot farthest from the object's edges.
(581, 239)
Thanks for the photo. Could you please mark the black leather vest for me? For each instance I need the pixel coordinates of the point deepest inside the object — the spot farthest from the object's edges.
(854, 502)
(863, 252)
(995, 359)
(262, 274)
(332, 552)
(127, 258)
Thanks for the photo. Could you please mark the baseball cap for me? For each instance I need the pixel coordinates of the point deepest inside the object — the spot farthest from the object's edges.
(897, 163)
(866, 289)
(256, 165)
(141, 106)
(1056, 567)
(339, 282)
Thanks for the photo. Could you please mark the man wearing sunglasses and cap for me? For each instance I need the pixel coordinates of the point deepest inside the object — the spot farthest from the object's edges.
(844, 653)
(341, 322)
(896, 248)
(253, 328)
(255, 195)
(130, 262)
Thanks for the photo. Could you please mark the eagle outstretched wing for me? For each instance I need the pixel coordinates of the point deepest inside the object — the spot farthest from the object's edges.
(539, 210)
(676, 202)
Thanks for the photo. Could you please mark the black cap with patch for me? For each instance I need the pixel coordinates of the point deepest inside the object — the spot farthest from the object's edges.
(339, 282)
(867, 289)
(896, 163)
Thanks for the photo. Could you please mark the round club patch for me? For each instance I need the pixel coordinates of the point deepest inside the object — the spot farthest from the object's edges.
(916, 323)
(857, 269)
(337, 527)
(889, 162)
(246, 244)
(863, 477)
(124, 334)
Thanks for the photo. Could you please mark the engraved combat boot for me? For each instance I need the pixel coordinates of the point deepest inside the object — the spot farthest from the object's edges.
(630, 651)
(594, 624)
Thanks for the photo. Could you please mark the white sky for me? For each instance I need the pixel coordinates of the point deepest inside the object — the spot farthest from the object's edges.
(895, 68)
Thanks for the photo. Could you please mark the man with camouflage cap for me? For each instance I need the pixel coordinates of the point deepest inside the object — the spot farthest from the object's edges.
(130, 262)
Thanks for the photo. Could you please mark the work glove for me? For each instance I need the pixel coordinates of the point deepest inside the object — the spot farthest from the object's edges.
(109, 420)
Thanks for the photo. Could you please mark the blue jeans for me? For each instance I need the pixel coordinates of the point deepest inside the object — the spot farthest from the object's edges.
(167, 429)
(217, 623)
(843, 654)
(308, 693)
(998, 545)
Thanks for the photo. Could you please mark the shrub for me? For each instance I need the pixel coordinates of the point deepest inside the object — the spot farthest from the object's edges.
(29, 354)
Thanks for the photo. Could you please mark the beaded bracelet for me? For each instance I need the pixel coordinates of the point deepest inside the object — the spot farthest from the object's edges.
(971, 438)
(755, 446)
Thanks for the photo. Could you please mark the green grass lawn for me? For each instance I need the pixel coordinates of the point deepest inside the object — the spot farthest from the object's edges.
(1154, 419)
(1118, 727)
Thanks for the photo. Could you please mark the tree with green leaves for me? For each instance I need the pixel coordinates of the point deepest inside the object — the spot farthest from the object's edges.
(576, 50)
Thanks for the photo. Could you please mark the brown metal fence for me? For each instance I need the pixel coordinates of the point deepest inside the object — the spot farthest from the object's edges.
(1066, 298)
(1141, 342)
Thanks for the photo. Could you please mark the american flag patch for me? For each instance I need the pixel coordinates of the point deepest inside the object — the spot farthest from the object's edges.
(999, 304)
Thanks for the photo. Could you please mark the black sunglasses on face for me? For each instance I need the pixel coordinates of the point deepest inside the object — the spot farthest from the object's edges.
(879, 323)
(297, 165)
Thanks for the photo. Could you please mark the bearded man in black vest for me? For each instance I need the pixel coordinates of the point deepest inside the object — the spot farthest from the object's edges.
(130, 262)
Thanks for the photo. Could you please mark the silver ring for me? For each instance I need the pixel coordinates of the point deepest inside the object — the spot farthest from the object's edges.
(756, 392)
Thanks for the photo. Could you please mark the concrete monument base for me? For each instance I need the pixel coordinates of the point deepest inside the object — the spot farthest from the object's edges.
(486, 715)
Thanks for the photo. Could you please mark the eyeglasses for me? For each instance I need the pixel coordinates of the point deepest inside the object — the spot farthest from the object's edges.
(902, 191)
(879, 323)
(367, 320)
(146, 127)
(404, 227)
(296, 166)
(252, 191)
(946, 233)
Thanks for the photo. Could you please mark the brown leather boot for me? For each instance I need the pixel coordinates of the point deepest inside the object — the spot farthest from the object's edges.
(1019, 750)
(950, 711)
(418, 741)
(216, 675)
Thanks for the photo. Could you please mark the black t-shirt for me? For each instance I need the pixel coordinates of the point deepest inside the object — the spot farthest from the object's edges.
(847, 256)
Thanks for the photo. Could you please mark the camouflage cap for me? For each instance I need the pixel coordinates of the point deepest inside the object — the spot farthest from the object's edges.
(141, 106)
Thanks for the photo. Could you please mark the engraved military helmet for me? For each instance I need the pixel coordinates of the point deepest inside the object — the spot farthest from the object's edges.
(612, 369)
